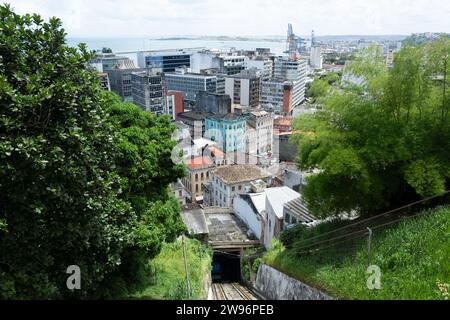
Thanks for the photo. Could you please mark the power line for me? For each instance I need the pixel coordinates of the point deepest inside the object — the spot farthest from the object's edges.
(376, 216)
(359, 236)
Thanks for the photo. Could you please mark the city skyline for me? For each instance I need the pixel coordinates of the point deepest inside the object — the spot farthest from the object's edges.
(114, 18)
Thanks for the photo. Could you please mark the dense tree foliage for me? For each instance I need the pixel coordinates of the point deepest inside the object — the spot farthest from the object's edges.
(384, 141)
(83, 177)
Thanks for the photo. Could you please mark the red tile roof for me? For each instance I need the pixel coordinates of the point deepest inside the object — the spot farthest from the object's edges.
(199, 163)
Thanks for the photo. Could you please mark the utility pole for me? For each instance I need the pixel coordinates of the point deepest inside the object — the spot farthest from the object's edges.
(369, 246)
(188, 288)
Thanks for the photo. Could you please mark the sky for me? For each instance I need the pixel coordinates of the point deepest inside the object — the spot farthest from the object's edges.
(155, 18)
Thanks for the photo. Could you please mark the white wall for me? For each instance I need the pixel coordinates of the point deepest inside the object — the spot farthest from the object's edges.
(245, 212)
(229, 88)
(245, 94)
(270, 226)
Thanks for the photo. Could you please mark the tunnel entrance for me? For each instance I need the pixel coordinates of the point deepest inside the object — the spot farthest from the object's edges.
(226, 266)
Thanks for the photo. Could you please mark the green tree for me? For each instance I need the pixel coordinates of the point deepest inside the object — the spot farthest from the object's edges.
(318, 89)
(143, 148)
(83, 177)
(384, 142)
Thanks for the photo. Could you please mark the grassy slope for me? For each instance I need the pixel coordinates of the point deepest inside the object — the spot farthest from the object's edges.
(413, 257)
(169, 281)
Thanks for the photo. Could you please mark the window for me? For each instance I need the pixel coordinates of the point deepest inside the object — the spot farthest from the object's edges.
(196, 177)
(180, 193)
(196, 187)
(240, 188)
(202, 176)
(232, 188)
(287, 218)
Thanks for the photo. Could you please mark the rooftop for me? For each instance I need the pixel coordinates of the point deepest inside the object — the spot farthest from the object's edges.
(240, 173)
(278, 196)
(199, 163)
(226, 117)
(300, 209)
(282, 121)
(225, 228)
(194, 115)
(216, 152)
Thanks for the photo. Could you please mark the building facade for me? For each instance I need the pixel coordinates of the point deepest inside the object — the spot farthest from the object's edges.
(166, 60)
(120, 77)
(198, 173)
(227, 130)
(148, 91)
(196, 122)
(213, 102)
(227, 181)
(262, 123)
(190, 83)
(174, 103)
(315, 57)
(244, 89)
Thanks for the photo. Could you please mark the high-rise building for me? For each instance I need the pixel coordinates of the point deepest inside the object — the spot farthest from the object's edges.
(120, 78)
(148, 91)
(104, 81)
(263, 64)
(244, 88)
(190, 83)
(315, 57)
(233, 64)
(166, 60)
(103, 62)
(286, 90)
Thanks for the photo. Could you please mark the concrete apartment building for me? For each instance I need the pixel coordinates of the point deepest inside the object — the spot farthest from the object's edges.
(263, 64)
(227, 181)
(148, 91)
(120, 76)
(316, 58)
(233, 64)
(190, 83)
(286, 90)
(104, 81)
(262, 123)
(244, 88)
(213, 102)
(196, 122)
(199, 171)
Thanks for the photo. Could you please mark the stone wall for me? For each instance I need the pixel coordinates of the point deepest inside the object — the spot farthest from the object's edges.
(275, 285)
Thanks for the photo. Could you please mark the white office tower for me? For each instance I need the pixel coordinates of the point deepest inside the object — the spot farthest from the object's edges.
(315, 57)
(293, 71)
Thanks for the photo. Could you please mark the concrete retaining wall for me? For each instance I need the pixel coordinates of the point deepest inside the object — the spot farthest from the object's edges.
(275, 285)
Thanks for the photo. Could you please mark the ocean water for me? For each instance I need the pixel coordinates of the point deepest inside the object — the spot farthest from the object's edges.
(119, 45)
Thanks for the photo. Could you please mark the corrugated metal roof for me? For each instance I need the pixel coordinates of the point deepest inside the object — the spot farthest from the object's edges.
(300, 209)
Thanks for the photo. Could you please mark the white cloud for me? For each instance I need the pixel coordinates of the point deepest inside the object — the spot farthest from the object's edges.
(241, 17)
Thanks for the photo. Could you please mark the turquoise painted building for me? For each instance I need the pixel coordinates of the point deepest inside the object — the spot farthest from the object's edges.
(228, 130)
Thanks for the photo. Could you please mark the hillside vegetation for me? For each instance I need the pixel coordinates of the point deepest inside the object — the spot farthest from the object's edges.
(168, 273)
(414, 259)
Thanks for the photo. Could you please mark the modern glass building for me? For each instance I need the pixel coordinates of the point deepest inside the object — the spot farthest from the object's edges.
(167, 61)
(190, 83)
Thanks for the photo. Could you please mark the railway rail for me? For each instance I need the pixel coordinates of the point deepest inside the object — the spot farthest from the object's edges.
(231, 291)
